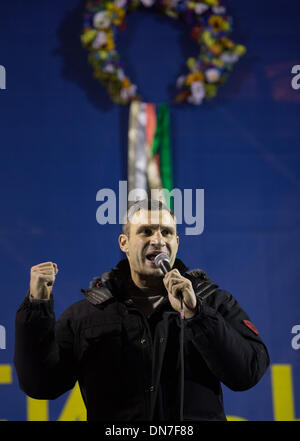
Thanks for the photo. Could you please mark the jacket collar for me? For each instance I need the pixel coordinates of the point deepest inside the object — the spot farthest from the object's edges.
(112, 283)
(120, 274)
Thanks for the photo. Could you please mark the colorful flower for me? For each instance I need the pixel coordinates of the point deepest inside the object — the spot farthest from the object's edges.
(88, 36)
(216, 22)
(210, 28)
(192, 64)
(227, 43)
(210, 90)
(101, 20)
(110, 44)
(120, 3)
(116, 14)
(200, 8)
(229, 57)
(198, 93)
(212, 2)
(100, 40)
(218, 10)
(126, 83)
(239, 50)
(110, 68)
(217, 62)
(103, 54)
(129, 92)
(194, 77)
(120, 74)
(216, 48)
(148, 3)
(180, 81)
(212, 75)
(207, 38)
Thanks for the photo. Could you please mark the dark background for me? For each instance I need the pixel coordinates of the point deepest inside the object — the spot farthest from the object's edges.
(62, 140)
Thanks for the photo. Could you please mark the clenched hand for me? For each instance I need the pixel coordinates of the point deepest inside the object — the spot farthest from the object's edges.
(42, 277)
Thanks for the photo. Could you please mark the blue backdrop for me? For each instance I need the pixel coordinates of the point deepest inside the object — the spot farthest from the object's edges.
(62, 140)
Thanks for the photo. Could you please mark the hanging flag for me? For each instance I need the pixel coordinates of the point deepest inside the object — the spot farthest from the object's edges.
(149, 150)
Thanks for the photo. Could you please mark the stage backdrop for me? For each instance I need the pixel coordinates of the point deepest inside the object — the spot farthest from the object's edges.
(62, 140)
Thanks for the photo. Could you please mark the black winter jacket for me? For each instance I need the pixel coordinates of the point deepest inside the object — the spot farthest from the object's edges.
(128, 366)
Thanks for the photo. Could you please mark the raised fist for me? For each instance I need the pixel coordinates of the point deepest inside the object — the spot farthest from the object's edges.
(42, 277)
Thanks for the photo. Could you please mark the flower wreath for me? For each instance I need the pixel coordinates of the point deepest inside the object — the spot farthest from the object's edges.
(210, 27)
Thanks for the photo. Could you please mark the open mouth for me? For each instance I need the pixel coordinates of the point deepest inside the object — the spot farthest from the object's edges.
(151, 256)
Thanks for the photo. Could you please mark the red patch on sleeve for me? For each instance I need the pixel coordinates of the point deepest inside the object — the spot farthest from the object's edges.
(251, 326)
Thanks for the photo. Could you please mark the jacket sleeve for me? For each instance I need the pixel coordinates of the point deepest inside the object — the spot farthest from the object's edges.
(44, 350)
(222, 335)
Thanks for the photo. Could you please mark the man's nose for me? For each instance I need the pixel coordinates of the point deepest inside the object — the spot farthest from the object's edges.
(157, 238)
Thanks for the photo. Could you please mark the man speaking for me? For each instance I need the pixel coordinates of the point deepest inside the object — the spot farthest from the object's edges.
(150, 341)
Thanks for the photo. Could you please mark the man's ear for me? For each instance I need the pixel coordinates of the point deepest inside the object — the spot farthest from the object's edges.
(177, 239)
(123, 243)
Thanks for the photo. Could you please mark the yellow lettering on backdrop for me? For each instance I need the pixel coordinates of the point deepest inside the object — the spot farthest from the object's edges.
(74, 409)
(37, 410)
(283, 397)
(235, 418)
(5, 374)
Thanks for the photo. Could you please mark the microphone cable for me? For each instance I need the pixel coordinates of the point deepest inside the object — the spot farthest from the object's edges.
(181, 357)
(205, 288)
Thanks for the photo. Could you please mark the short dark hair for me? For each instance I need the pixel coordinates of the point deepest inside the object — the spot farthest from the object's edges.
(144, 204)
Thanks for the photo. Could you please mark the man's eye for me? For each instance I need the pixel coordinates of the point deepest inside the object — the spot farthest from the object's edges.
(147, 231)
(166, 232)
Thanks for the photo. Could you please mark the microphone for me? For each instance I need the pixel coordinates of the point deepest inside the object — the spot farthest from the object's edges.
(162, 261)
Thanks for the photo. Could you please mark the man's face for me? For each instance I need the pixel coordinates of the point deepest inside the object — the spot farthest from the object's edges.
(151, 233)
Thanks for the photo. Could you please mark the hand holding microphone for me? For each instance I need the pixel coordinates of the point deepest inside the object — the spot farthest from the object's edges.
(178, 287)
